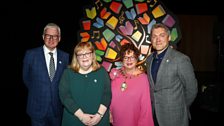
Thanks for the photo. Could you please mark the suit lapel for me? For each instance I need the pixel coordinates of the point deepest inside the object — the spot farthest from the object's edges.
(59, 64)
(43, 62)
(163, 66)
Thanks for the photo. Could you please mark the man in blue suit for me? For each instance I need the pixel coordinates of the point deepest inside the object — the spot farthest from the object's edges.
(172, 80)
(43, 105)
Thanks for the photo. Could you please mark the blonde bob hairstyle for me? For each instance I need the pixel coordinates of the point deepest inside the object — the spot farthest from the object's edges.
(80, 46)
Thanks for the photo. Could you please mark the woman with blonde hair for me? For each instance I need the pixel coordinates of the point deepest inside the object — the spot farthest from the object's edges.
(85, 89)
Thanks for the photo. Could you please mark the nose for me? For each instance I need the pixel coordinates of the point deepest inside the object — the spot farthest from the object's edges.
(51, 37)
(129, 58)
(84, 56)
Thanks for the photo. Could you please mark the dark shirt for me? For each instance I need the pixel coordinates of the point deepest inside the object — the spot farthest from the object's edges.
(157, 59)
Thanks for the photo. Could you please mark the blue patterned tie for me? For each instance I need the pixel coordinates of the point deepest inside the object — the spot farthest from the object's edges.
(51, 66)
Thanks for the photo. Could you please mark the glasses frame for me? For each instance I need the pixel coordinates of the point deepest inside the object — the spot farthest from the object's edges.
(81, 56)
(131, 58)
(54, 37)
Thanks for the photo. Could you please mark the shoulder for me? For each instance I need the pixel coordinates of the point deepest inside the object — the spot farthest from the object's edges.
(100, 73)
(115, 73)
(62, 52)
(69, 71)
(143, 76)
(102, 69)
(142, 80)
(177, 54)
(34, 50)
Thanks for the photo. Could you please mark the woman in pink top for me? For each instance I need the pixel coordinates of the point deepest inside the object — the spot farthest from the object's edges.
(131, 103)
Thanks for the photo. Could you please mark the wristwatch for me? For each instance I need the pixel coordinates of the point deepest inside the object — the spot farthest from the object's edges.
(101, 115)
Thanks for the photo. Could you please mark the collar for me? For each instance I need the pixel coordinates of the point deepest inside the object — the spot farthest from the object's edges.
(159, 56)
(46, 50)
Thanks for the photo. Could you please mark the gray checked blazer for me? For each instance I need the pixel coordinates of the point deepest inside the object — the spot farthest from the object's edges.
(175, 88)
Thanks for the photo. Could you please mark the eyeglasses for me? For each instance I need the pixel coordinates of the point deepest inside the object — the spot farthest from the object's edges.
(87, 55)
(126, 58)
(54, 37)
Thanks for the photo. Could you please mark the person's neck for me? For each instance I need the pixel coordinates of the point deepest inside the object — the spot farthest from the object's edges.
(131, 71)
(160, 51)
(85, 70)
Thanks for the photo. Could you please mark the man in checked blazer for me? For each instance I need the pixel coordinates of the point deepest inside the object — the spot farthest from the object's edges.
(43, 103)
(172, 80)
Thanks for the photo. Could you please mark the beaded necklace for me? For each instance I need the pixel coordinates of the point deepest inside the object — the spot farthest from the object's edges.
(124, 84)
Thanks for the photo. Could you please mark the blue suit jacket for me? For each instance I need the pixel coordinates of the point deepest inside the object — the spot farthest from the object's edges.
(42, 93)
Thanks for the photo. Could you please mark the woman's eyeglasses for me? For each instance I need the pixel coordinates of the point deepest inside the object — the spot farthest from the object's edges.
(87, 55)
(126, 58)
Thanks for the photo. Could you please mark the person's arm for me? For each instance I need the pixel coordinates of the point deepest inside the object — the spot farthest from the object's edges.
(83, 117)
(106, 98)
(186, 73)
(26, 68)
(145, 114)
(65, 94)
(79, 113)
(102, 109)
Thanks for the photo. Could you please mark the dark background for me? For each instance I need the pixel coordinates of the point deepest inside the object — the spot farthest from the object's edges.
(201, 24)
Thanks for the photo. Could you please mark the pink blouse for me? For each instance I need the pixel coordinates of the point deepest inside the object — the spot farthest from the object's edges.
(131, 107)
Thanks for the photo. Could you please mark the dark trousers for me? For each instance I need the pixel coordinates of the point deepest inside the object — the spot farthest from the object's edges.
(49, 120)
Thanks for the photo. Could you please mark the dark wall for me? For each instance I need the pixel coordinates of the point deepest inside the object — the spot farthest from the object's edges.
(198, 40)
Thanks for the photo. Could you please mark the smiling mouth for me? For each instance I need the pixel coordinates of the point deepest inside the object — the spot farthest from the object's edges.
(129, 64)
(85, 61)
